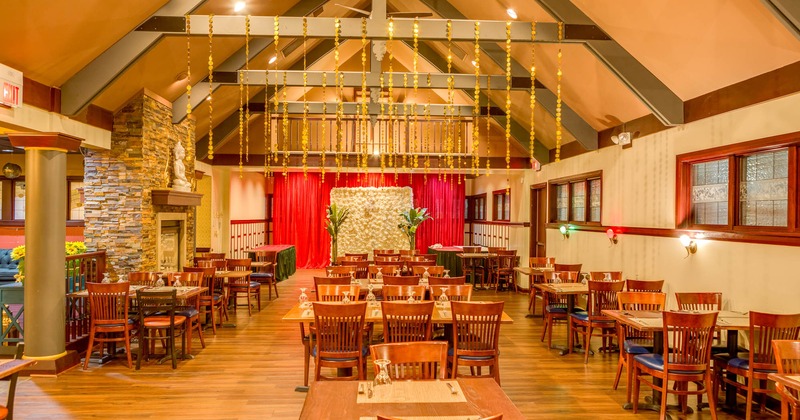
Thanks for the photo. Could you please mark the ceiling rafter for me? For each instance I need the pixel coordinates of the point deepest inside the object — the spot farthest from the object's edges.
(82, 88)
(584, 133)
(662, 101)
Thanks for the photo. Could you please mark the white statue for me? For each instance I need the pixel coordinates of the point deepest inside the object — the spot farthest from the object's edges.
(179, 183)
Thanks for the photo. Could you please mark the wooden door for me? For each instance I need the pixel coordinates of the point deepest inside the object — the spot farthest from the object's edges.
(538, 234)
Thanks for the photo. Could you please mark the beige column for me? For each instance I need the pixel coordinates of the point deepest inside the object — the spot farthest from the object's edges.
(45, 233)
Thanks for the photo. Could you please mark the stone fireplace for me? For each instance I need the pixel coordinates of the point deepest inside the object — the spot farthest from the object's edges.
(170, 241)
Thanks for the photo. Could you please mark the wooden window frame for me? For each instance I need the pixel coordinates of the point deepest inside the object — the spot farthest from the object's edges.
(473, 202)
(734, 153)
(568, 181)
(7, 216)
(501, 193)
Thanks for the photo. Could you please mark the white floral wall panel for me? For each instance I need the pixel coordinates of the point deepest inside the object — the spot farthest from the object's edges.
(373, 220)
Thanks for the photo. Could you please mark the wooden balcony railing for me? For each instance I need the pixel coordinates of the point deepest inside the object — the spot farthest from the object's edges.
(488, 233)
(78, 270)
(246, 234)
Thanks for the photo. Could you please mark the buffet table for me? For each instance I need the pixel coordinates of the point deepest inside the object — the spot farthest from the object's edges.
(447, 256)
(285, 260)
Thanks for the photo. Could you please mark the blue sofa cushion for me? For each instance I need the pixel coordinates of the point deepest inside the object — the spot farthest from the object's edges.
(8, 267)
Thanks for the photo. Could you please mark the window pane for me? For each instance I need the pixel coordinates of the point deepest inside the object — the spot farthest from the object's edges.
(764, 189)
(594, 200)
(19, 200)
(506, 206)
(76, 201)
(562, 197)
(579, 201)
(466, 208)
(482, 208)
(498, 207)
(710, 192)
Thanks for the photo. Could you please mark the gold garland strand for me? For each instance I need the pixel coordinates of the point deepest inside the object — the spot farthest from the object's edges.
(337, 26)
(405, 120)
(391, 97)
(247, 87)
(476, 159)
(508, 105)
(267, 123)
(488, 123)
(304, 134)
(364, 125)
(189, 75)
(458, 149)
(414, 125)
(323, 139)
(285, 127)
(558, 93)
(532, 144)
(450, 99)
(240, 76)
(275, 97)
(210, 86)
(382, 133)
(426, 140)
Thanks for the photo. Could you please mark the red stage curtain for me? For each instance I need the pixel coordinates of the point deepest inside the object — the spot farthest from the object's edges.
(299, 210)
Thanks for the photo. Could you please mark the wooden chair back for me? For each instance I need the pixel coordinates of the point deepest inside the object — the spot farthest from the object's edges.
(563, 277)
(787, 356)
(11, 352)
(417, 263)
(433, 270)
(641, 301)
(764, 328)
(110, 303)
(339, 331)
(336, 292)
(699, 301)
(385, 269)
(567, 267)
(238, 264)
(208, 279)
(213, 255)
(220, 265)
(496, 249)
(342, 258)
(376, 252)
(471, 249)
(413, 360)
(388, 258)
(447, 281)
(407, 251)
(340, 281)
(142, 278)
(457, 293)
(476, 328)
(644, 285)
(603, 295)
(400, 293)
(266, 256)
(690, 336)
(359, 256)
(400, 280)
(541, 262)
(339, 270)
(601, 275)
(192, 278)
(361, 267)
(404, 322)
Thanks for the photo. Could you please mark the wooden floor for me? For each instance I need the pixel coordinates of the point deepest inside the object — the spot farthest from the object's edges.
(250, 372)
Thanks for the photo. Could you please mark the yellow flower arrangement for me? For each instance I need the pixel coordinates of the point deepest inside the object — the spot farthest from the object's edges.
(18, 254)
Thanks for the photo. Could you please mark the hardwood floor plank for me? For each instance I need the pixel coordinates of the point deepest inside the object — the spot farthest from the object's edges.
(250, 372)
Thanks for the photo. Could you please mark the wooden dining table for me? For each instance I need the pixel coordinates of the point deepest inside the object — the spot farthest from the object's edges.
(535, 276)
(791, 380)
(441, 313)
(474, 398)
(570, 290)
(469, 260)
(652, 321)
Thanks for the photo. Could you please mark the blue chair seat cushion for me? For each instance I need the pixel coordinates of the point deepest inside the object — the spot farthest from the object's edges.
(556, 308)
(638, 346)
(744, 364)
(255, 284)
(261, 276)
(656, 362)
(364, 352)
(187, 311)
(581, 315)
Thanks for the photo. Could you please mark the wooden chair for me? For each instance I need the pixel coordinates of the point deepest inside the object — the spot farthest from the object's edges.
(447, 281)
(158, 322)
(537, 262)
(554, 308)
(687, 361)
(632, 285)
(339, 338)
(400, 280)
(501, 269)
(339, 270)
(191, 308)
(336, 293)
(407, 251)
(360, 257)
(390, 259)
(602, 295)
(109, 304)
(761, 361)
(385, 269)
(403, 322)
(601, 275)
(11, 352)
(342, 281)
(476, 336)
(266, 275)
(211, 301)
(699, 301)
(361, 268)
(400, 293)
(457, 293)
(377, 252)
(495, 249)
(431, 258)
(633, 342)
(343, 258)
(243, 285)
(142, 278)
(413, 360)
(567, 267)
(213, 255)
(787, 360)
(410, 264)
(433, 270)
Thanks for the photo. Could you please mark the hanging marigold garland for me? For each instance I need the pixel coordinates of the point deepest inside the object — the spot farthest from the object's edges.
(508, 104)
(210, 86)
(448, 138)
(304, 134)
(558, 93)
(285, 123)
(189, 75)
(275, 97)
(532, 144)
(426, 139)
(405, 150)
(336, 74)
(247, 88)
(488, 123)
(322, 138)
(382, 132)
(476, 112)
(364, 125)
(241, 120)
(391, 132)
(267, 123)
(414, 122)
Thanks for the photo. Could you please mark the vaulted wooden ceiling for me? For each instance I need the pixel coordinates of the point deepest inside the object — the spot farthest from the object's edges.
(663, 53)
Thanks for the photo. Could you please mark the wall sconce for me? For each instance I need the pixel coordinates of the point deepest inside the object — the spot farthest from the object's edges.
(564, 231)
(612, 236)
(689, 244)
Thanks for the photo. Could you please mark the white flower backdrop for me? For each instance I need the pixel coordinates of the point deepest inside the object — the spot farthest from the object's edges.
(373, 220)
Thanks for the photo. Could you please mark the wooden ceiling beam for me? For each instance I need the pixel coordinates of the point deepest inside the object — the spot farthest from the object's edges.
(786, 11)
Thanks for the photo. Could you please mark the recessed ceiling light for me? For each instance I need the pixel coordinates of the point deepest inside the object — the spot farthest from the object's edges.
(273, 59)
(239, 6)
(511, 13)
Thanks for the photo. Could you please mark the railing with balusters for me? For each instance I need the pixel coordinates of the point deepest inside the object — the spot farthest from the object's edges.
(78, 270)
(486, 233)
(246, 234)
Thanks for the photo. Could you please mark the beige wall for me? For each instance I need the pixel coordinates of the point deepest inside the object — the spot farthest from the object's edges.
(203, 219)
(248, 196)
(639, 191)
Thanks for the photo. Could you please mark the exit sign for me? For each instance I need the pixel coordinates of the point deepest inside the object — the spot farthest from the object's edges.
(11, 87)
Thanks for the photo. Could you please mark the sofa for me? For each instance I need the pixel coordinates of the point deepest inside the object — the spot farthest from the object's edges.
(8, 267)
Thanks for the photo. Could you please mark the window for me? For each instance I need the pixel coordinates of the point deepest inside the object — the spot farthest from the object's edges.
(475, 207)
(750, 188)
(502, 205)
(12, 201)
(75, 200)
(576, 199)
(19, 200)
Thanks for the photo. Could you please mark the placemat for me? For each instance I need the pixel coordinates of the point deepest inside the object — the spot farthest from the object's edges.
(795, 377)
(412, 392)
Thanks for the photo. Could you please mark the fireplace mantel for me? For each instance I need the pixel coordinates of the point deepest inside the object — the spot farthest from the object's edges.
(167, 197)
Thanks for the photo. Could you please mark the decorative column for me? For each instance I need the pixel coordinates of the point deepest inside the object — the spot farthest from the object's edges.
(45, 232)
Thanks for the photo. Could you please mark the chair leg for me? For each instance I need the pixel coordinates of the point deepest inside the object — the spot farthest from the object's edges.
(749, 407)
(171, 343)
(142, 346)
(249, 307)
(570, 334)
(275, 285)
(213, 322)
(550, 321)
(200, 333)
(664, 393)
(89, 349)
(629, 377)
(127, 335)
(587, 342)
(636, 384)
(306, 359)
(189, 332)
(712, 403)
(620, 362)
(544, 331)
